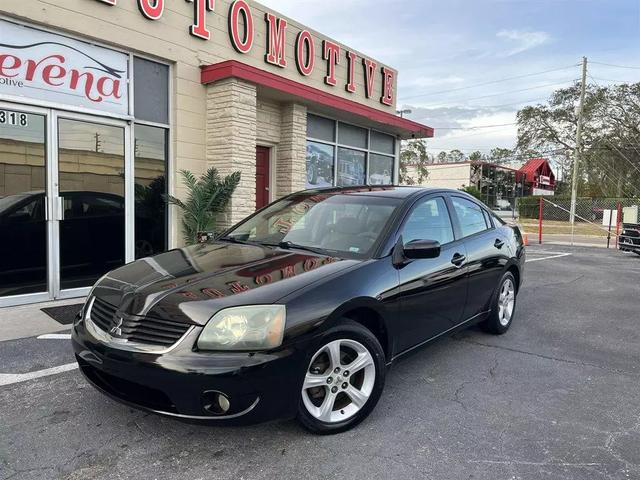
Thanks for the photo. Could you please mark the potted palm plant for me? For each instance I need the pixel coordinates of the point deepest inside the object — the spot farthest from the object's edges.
(207, 197)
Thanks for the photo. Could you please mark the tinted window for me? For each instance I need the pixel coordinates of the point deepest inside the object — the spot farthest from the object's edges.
(151, 91)
(321, 128)
(352, 136)
(470, 215)
(382, 143)
(429, 220)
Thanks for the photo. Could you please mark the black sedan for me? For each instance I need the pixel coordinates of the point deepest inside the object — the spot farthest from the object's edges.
(298, 310)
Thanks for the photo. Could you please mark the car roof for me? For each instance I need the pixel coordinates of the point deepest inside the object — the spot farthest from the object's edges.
(388, 191)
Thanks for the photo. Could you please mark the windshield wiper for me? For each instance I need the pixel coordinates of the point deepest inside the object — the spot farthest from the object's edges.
(287, 245)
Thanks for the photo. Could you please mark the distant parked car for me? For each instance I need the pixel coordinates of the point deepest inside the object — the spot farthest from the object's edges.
(629, 239)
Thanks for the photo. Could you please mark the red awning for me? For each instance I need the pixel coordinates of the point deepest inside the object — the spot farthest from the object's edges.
(302, 93)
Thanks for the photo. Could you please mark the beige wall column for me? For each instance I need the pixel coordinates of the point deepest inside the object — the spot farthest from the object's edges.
(231, 141)
(291, 162)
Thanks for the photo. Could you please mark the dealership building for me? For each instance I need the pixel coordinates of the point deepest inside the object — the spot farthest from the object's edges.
(103, 102)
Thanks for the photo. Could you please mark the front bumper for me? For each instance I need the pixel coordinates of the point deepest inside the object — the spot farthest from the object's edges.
(628, 243)
(180, 382)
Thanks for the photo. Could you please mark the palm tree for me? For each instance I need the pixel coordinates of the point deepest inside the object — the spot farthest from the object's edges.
(207, 197)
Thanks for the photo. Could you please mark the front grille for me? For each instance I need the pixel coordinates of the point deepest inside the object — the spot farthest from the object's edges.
(149, 331)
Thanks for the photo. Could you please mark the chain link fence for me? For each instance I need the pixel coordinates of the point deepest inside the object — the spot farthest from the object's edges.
(598, 221)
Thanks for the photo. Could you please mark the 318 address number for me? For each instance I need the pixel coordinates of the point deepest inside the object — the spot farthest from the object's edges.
(16, 119)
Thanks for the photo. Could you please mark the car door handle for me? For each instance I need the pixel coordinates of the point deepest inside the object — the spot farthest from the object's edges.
(458, 260)
(498, 243)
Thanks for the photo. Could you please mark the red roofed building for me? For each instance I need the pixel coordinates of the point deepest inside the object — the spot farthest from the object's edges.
(537, 178)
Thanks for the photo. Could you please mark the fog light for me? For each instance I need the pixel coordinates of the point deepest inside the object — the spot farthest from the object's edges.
(223, 403)
(216, 402)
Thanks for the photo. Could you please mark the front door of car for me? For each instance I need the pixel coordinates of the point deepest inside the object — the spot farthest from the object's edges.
(432, 291)
(487, 253)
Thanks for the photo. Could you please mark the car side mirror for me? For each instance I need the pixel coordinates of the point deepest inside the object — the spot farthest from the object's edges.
(422, 249)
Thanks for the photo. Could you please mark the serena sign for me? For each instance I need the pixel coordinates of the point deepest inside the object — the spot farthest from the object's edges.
(378, 81)
(43, 66)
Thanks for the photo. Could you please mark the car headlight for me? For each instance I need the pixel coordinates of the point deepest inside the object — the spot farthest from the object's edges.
(255, 327)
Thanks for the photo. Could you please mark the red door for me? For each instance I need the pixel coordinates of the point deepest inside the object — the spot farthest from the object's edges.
(262, 177)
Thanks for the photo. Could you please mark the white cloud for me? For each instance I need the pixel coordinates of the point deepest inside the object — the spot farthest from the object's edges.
(523, 40)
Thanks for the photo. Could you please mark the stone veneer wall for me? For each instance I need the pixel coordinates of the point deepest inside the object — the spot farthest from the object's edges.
(291, 169)
(231, 141)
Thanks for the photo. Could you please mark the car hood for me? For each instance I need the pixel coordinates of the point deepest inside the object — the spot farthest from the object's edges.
(192, 283)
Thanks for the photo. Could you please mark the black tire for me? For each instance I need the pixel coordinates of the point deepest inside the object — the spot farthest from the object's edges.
(495, 323)
(347, 330)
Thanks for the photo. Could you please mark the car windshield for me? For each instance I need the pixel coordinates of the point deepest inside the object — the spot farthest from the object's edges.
(9, 201)
(342, 224)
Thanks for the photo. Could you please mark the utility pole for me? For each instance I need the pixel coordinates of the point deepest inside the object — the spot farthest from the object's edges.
(578, 152)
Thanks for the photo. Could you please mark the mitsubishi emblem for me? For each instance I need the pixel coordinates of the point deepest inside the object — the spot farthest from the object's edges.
(117, 329)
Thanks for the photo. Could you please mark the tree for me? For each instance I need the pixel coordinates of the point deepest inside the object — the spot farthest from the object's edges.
(207, 197)
(611, 137)
(501, 155)
(476, 156)
(414, 159)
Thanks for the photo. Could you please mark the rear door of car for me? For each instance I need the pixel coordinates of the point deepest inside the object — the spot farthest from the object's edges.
(487, 252)
(432, 291)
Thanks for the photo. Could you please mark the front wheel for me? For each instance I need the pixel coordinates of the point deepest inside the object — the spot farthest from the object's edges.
(503, 307)
(343, 380)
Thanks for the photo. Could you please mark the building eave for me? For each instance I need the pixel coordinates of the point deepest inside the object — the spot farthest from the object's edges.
(311, 96)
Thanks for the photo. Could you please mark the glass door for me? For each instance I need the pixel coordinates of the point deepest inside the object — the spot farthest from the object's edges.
(66, 202)
(90, 182)
(24, 229)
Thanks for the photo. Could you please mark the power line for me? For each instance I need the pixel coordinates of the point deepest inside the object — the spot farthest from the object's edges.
(614, 65)
(514, 91)
(490, 82)
(474, 128)
(613, 80)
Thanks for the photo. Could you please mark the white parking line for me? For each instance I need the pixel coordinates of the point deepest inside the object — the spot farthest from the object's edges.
(55, 336)
(548, 257)
(11, 378)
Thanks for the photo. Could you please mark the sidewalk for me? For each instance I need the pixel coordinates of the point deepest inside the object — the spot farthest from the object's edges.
(29, 321)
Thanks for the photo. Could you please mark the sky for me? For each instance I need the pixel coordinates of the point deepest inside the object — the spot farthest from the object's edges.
(444, 49)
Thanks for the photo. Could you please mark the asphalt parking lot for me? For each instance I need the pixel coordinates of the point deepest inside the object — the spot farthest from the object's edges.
(557, 397)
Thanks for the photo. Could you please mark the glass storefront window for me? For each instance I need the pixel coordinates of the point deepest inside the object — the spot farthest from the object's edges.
(351, 167)
(352, 136)
(380, 169)
(382, 143)
(321, 128)
(151, 91)
(319, 165)
(150, 186)
(331, 161)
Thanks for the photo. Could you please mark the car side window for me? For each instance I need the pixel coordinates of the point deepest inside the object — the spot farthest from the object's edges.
(470, 215)
(429, 220)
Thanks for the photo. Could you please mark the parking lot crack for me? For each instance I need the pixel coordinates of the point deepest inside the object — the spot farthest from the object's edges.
(547, 357)
(457, 396)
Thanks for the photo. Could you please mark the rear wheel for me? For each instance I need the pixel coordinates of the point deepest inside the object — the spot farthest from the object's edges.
(343, 380)
(503, 307)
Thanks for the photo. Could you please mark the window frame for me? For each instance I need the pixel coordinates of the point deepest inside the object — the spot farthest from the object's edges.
(367, 151)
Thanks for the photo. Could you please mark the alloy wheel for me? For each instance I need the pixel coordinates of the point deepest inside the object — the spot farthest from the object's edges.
(339, 381)
(506, 302)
